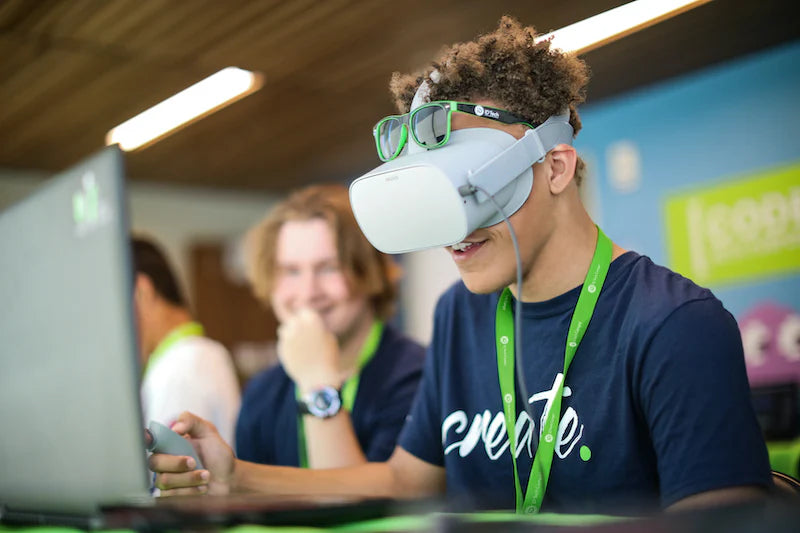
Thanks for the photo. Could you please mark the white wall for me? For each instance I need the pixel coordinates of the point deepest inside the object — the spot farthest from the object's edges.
(427, 275)
(180, 216)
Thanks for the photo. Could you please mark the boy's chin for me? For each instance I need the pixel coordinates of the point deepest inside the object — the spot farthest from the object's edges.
(480, 284)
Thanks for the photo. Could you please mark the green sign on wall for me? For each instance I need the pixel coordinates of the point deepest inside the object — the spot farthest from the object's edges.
(741, 230)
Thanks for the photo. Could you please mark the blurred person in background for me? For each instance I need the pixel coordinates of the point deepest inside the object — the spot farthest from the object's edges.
(183, 369)
(346, 377)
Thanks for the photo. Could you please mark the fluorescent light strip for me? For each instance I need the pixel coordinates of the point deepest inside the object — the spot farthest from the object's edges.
(201, 99)
(613, 24)
(231, 83)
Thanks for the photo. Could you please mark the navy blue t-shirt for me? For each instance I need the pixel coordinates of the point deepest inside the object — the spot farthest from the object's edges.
(656, 405)
(266, 431)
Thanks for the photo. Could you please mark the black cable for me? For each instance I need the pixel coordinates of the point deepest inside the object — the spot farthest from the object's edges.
(517, 311)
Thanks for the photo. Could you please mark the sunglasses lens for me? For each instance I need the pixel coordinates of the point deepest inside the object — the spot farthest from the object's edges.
(429, 125)
(390, 137)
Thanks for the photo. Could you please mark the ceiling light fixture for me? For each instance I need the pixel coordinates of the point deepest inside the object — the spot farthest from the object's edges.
(201, 99)
(616, 23)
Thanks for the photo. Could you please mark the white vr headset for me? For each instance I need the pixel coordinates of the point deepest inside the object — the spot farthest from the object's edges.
(433, 198)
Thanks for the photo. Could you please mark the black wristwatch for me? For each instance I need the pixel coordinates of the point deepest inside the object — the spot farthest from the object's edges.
(324, 402)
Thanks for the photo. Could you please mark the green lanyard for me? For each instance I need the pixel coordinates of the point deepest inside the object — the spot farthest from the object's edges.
(543, 460)
(349, 389)
(189, 329)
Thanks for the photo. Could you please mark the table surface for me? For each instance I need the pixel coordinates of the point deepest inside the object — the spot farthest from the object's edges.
(784, 457)
(776, 516)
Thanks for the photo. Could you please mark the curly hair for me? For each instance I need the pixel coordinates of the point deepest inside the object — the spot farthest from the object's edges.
(509, 67)
(367, 270)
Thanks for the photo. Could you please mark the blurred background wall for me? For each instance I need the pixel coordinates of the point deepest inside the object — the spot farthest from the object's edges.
(702, 174)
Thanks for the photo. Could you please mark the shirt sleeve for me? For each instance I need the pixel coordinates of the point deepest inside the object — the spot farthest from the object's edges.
(214, 393)
(696, 400)
(175, 389)
(199, 379)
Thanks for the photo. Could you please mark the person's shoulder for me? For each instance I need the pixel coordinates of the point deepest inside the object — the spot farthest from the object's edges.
(657, 283)
(653, 292)
(208, 345)
(205, 356)
(200, 347)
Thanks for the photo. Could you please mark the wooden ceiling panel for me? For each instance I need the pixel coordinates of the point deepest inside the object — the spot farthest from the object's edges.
(17, 56)
(78, 20)
(72, 69)
(111, 23)
(255, 43)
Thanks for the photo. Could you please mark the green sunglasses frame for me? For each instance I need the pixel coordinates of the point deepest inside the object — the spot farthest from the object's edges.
(450, 106)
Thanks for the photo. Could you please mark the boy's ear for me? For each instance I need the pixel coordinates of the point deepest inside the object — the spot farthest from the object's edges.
(562, 160)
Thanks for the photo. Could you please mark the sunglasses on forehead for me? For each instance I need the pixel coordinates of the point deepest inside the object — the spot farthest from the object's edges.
(429, 125)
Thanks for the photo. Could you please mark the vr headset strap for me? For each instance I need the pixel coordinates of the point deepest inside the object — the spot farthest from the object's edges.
(502, 169)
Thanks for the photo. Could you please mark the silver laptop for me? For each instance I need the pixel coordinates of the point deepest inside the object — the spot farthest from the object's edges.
(71, 434)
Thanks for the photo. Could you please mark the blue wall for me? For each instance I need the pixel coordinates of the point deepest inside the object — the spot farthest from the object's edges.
(735, 119)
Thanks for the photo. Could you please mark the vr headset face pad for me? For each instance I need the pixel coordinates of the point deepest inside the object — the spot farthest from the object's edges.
(414, 201)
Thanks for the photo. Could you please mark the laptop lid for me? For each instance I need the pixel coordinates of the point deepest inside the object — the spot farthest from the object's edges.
(70, 416)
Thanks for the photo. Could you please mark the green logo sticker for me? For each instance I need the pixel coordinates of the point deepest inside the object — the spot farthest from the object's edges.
(737, 231)
(89, 210)
(85, 201)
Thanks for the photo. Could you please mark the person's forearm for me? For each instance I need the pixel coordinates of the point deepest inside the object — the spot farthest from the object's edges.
(370, 480)
(332, 442)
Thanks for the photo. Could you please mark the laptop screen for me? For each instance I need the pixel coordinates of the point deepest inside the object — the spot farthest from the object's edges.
(69, 373)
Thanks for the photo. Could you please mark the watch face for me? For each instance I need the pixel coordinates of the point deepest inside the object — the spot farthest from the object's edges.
(324, 403)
